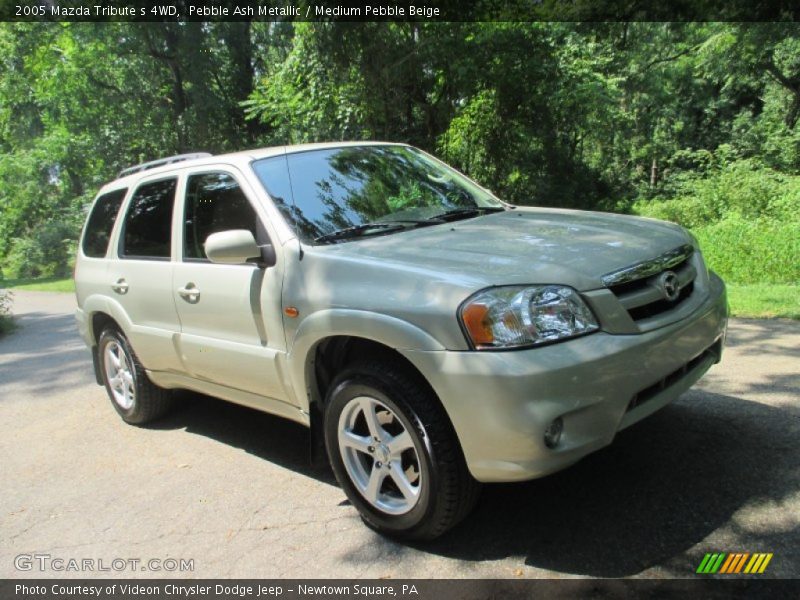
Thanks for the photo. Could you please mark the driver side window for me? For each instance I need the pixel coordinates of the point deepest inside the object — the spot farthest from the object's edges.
(214, 202)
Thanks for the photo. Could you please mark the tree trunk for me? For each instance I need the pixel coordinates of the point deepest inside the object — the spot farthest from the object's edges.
(237, 38)
(654, 173)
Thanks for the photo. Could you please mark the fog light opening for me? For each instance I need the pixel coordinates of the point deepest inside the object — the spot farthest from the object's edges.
(552, 435)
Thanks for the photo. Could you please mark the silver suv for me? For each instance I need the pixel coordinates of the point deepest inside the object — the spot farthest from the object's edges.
(430, 335)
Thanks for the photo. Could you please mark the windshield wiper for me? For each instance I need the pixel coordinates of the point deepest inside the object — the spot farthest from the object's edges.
(381, 226)
(357, 230)
(465, 213)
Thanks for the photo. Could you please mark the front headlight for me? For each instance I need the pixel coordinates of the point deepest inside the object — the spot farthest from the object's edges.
(514, 316)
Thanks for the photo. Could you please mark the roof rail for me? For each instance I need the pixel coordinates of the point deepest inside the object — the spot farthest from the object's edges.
(162, 162)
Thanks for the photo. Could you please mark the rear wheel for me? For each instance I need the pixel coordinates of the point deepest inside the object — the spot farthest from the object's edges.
(137, 399)
(395, 454)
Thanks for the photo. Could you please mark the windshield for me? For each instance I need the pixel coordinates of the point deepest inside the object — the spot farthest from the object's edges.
(353, 187)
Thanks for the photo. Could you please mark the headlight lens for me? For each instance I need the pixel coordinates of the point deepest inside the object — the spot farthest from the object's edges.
(512, 316)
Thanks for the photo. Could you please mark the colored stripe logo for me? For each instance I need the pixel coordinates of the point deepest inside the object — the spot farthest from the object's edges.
(734, 563)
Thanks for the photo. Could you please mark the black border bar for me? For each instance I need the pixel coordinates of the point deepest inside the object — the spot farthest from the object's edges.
(390, 589)
(399, 10)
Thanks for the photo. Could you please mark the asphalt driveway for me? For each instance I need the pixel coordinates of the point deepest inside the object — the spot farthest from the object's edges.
(232, 489)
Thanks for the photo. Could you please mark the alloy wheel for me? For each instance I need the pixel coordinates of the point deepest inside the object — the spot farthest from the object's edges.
(379, 455)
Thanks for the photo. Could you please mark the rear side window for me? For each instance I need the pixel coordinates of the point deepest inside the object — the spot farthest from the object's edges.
(148, 224)
(101, 222)
(214, 202)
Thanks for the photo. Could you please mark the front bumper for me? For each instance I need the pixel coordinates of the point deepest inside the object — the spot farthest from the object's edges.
(500, 403)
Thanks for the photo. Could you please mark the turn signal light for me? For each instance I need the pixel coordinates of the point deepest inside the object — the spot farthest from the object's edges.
(475, 317)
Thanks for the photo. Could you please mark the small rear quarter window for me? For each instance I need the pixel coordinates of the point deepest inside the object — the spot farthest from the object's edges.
(101, 222)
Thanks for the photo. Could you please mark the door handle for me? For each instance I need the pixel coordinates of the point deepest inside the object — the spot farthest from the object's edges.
(120, 286)
(190, 293)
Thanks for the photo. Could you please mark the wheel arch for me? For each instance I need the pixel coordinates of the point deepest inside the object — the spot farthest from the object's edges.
(101, 311)
(330, 339)
(338, 329)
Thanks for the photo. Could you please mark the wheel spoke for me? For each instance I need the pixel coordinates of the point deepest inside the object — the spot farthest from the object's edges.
(353, 440)
(376, 478)
(400, 443)
(127, 377)
(375, 429)
(114, 358)
(404, 485)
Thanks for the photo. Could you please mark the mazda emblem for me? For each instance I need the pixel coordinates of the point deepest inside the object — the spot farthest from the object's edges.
(670, 285)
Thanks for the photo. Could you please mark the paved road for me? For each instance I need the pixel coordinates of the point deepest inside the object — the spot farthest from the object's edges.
(718, 470)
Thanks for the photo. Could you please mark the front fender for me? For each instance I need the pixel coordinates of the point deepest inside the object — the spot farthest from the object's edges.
(389, 331)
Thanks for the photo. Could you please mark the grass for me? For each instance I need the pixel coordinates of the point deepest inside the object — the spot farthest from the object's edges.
(49, 284)
(764, 301)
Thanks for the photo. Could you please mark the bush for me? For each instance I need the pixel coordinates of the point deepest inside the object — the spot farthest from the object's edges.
(6, 320)
(745, 216)
(742, 188)
(752, 251)
(47, 252)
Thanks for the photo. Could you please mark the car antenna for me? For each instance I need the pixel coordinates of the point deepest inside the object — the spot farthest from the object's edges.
(291, 191)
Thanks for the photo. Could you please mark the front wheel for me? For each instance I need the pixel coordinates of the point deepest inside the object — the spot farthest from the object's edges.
(395, 453)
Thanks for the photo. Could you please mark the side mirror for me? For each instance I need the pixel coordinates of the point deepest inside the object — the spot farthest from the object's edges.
(233, 247)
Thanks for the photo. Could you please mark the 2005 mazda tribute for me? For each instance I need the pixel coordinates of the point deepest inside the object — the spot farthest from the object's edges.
(431, 335)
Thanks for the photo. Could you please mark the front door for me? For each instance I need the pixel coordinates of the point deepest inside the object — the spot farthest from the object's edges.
(230, 316)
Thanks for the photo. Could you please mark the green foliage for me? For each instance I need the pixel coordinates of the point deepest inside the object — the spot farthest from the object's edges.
(692, 122)
(752, 251)
(307, 98)
(48, 251)
(740, 188)
(79, 101)
(744, 214)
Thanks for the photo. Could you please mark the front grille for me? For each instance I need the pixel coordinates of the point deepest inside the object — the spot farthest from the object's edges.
(652, 391)
(660, 306)
(623, 289)
(641, 290)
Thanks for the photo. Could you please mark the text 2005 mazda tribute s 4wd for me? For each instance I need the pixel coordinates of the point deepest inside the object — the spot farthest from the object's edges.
(433, 336)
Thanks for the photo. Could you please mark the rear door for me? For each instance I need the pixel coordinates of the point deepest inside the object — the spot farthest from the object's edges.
(91, 266)
(231, 332)
(140, 280)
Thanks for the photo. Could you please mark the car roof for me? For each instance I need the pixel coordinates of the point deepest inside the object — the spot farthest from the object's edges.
(244, 156)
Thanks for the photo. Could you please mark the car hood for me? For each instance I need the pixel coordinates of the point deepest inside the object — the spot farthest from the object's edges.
(523, 245)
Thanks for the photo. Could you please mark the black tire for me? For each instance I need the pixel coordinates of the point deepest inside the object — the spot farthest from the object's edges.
(149, 402)
(447, 491)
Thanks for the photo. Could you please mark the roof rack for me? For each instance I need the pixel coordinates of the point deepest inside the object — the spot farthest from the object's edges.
(162, 162)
